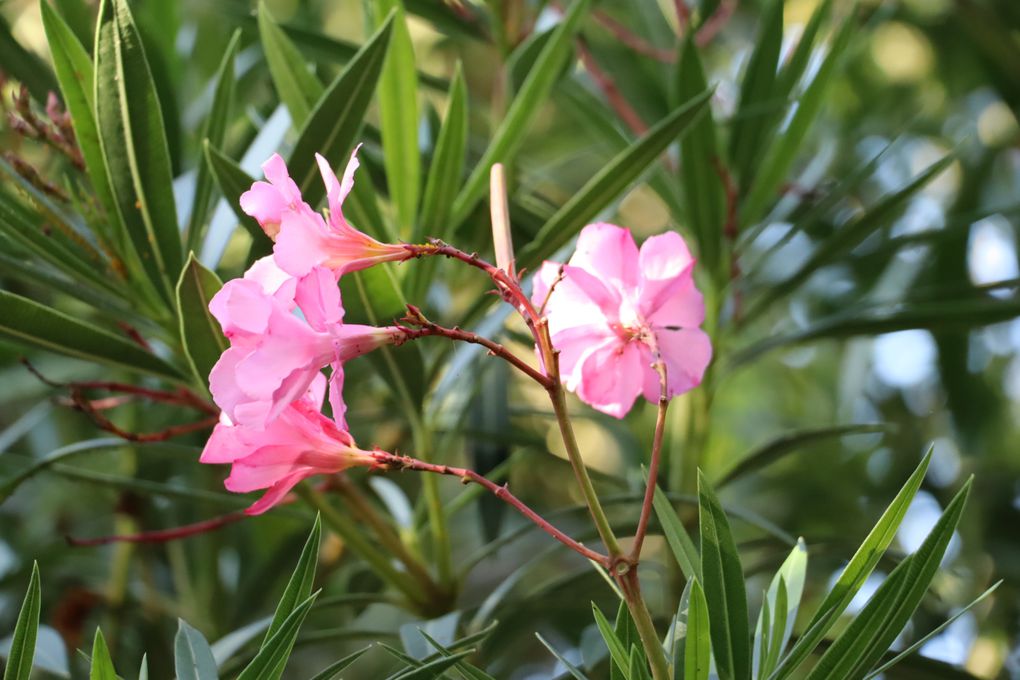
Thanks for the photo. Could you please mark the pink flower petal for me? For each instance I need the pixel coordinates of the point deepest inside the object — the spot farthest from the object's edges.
(612, 377)
(687, 353)
(609, 253)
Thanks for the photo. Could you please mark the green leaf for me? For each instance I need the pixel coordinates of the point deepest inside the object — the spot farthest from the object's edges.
(775, 166)
(9, 484)
(75, 74)
(854, 574)
(214, 131)
(759, 97)
(791, 72)
(698, 643)
(523, 109)
(330, 672)
(24, 66)
(78, 16)
(143, 670)
(701, 164)
(333, 124)
(684, 550)
(724, 588)
(571, 668)
(922, 568)
(617, 650)
(32, 324)
(233, 181)
(102, 664)
(610, 182)
(912, 649)
(201, 337)
(432, 669)
(299, 587)
(447, 163)
(297, 87)
(626, 633)
(783, 601)
(272, 657)
(398, 113)
(22, 653)
(133, 140)
(791, 442)
(193, 660)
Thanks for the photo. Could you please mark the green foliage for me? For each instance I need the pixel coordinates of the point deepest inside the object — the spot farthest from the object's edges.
(19, 658)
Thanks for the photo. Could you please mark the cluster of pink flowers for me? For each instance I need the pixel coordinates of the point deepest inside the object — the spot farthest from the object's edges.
(613, 312)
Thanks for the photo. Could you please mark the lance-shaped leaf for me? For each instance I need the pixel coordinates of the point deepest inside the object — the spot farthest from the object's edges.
(297, 87)
(193, 660)
(22, 652)
(523, 109)
(234, 181)
(854, 574)
(272, 657)
(724, 588)
(698, 641)
(213, 132)
(133, 140)
(24, 66)
(76, 75)
(34, 325)
(333, 124)
(610, 182)
(701, 166)
(684, 550)
(574, 671)
(102, 664)
(398, 113)
(775, 166)
(201, 336)
(331, 671)
(781, 602)
(617, 650)
(760, 99)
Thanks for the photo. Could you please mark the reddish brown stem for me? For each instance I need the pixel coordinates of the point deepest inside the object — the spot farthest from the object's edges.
(634, 42)
(711, 27)
(104, 423)
(653, 463)
(507, 286)
(612, 94)
(389, 461)
(162, 535)
(683, 15)
(422, 327)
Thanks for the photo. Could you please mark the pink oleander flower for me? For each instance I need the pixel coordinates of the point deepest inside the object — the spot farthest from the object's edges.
(299, 443)
(304, 239)
(612, 304)
(274, 353)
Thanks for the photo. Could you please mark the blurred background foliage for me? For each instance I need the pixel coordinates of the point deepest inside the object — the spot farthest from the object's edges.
(854, 325)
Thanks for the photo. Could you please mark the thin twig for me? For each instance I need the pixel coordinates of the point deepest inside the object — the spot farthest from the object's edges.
(609, 90)
(389, 461)
(653, 463)
(161, 535)
(712, 26)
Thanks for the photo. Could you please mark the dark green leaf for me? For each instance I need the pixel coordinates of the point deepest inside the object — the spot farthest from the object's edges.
(201, 337)
(213, 133)
(432, 669)
(233, 181)
(398, 113)
(523, 109)
(571, 668)
(610, 182)
(22, 652)
(297, 87)
(791, 442)
(272, 657)
(684, 550)
(333, 124)
(76, 76)
(775, 166)
(24, 66)
(447, 164)
(102, 664)
(798, 61)
(724, 588)
(193, 660)
(32, 324)
(759, 96)
(617, 650)
(330, 671)
(701, 165)
(854, 574)
(846, 237)
(133, 139)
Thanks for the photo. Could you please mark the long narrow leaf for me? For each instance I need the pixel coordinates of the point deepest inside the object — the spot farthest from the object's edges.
(201, 337)
(297, 87)
(22, 653)
(34, 325)
(133, 139)
(193, 660)
(271, 659)
(523, 109)
(684, 550)
(724, 588)
(698, 644)
(102, 664)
